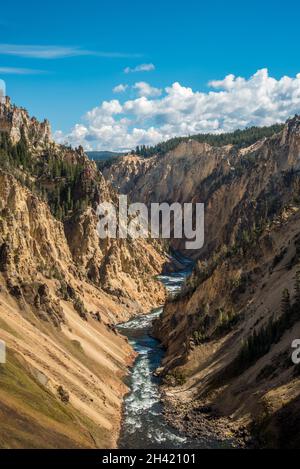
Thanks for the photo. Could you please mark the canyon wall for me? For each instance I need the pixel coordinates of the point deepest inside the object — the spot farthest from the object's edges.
(228, 333)
(62, 290)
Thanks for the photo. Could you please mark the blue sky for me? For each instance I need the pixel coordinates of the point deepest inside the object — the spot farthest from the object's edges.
(78, 54)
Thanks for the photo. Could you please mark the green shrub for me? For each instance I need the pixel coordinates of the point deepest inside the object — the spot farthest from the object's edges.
(175, 378)
(80, 308)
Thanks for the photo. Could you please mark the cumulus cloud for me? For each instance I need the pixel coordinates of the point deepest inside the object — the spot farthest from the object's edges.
(120, 88)
(144, 89)
(140, 68)
(231, 103)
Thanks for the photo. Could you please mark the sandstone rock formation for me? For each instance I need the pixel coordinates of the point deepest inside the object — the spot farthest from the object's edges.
(15, 120)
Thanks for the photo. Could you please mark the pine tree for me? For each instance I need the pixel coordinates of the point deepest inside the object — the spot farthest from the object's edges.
(69, 197)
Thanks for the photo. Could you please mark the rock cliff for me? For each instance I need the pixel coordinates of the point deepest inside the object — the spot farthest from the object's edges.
(62, 291)
(15, 120)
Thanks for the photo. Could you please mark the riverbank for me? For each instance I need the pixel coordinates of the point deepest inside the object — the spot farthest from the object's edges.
(197, 420)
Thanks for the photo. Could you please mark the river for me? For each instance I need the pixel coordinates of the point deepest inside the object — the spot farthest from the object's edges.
(143, 424)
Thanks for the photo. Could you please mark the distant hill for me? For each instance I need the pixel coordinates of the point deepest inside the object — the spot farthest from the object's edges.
(239, 138)
(103, 155)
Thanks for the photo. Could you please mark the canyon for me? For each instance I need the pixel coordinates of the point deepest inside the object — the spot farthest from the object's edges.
(227, 331)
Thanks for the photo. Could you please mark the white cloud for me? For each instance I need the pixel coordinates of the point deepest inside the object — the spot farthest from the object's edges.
(120, 88)
(41, 52)
(140, 68)
(107, 109)
(228, 82)
(144, 89)
(56, 52)
(20, 71)
(234, 102)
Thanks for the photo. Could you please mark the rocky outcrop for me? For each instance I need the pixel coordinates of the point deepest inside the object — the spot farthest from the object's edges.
(125, 269)
(15, 120)
(32, 240)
